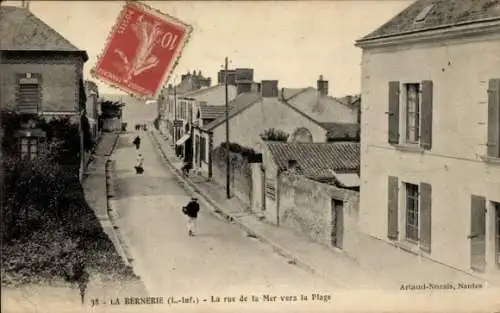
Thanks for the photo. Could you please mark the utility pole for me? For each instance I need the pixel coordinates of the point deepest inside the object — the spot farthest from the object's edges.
(175, 114)
(228, 152)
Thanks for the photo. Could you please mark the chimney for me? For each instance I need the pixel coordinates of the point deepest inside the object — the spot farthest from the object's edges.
(348, 99)
(244, 86)
(244, 74)
(269, 88)
(322, 86)
(231, 77)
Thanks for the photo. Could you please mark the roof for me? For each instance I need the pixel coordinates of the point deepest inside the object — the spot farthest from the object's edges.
(434, 14)
(317, 159)
(22, 30)
(186, 86)
(318, 107)
(289, 93)
(341, 131)
(238, 105)
(196, 92)
(211, 111)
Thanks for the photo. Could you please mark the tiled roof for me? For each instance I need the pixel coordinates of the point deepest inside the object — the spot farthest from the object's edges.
(211, 111)
(21, 30)
(443, 13)
(319, 159)
(238, 105)
(341, 131)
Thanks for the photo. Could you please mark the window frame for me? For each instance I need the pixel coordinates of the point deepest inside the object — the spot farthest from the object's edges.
(404, 113)
(416, 212)
(496, 251)
(29, 79)
(32, 141)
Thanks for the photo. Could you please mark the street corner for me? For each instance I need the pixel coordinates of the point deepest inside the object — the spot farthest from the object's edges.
(142, 49)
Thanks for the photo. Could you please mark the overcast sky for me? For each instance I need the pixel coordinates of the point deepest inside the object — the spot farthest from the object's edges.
(293, 42)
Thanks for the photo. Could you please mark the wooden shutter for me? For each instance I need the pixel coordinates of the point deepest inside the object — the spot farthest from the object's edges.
(28, 96)
(425, 237)
(392, 218)
(393, 113)
(426, 115)
(494, 118)
(478, 233)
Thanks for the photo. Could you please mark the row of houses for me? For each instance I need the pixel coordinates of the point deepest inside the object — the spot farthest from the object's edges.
(429, 152)
(42, 78)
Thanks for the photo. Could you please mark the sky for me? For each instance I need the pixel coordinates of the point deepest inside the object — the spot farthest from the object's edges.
(293, 42)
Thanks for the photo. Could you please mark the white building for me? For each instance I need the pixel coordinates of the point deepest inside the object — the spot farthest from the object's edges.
(430, 134)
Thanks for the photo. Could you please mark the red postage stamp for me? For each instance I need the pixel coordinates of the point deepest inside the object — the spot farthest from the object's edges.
(142, 50)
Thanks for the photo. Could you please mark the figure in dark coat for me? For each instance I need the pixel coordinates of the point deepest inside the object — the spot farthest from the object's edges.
(137, 142)
(191, 210)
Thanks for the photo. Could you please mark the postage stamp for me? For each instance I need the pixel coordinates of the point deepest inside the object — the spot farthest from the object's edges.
(142, 50)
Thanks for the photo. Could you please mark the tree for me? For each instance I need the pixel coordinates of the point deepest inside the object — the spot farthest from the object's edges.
(272, 134)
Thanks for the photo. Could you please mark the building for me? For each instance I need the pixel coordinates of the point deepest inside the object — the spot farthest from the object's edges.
(92, 107)
(335, 164)
(430, 145)
(41, 75)
(170, 109)
(318, 104)
(250, 114)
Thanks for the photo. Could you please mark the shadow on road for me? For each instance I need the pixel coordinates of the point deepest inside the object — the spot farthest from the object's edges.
(137, 185)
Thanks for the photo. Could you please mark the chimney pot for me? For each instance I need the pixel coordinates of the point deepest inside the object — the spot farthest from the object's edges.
(322, 86)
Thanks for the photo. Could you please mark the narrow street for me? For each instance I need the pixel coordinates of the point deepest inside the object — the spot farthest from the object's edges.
(220, 260)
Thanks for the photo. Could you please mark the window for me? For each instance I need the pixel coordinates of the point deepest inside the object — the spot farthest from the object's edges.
(412, 216)
(493, 128)
(412, 112)
(29, 147)
(497, 233)
(28, 96)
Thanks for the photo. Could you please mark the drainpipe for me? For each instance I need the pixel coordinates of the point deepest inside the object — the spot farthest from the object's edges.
(210, 148)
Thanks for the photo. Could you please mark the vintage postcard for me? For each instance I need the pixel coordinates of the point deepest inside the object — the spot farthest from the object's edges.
(247, 156)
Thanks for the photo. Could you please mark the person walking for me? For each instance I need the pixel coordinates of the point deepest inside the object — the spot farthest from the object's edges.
(138, 166)
(137, 142)
(191, 210)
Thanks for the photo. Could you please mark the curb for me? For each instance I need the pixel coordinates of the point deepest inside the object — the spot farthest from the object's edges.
(120, 247)
(219, 212)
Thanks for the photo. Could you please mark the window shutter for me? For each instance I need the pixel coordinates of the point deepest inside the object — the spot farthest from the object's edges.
(392, 218)
(426, 115)
(494, 118)
(478, 232)
(28, 98)
(393, 114)
(425, 237)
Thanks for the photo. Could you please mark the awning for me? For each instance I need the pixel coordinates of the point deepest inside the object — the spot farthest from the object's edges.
(182, 140)
(348, 179)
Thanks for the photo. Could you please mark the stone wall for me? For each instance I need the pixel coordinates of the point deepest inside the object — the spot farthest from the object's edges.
(240, 177)
(306, 207)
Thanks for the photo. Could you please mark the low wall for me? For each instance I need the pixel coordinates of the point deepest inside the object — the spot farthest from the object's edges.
(306, 206)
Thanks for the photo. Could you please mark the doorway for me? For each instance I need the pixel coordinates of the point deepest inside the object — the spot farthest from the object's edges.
(337, 234)
(478, 234)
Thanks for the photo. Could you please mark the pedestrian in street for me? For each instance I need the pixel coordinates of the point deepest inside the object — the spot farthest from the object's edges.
(186, 167)
(137, 142)
(138, 166)
(191, 210)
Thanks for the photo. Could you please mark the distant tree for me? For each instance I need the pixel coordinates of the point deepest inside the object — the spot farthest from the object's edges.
(272, 134)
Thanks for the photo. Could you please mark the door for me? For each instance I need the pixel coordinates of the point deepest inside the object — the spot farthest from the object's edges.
(478, 233)
(337, 223)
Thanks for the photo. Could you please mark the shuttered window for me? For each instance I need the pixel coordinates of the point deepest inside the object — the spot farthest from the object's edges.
(393, 113)
(425, 217)
(28, 97)
(393, 208)
(493, 144)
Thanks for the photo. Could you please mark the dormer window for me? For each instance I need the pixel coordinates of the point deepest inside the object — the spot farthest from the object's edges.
(423, 14)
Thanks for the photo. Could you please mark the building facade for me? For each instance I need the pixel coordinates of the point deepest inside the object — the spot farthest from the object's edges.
(430, 135)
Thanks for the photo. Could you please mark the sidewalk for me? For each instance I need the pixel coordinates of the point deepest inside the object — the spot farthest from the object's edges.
(378, 266)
